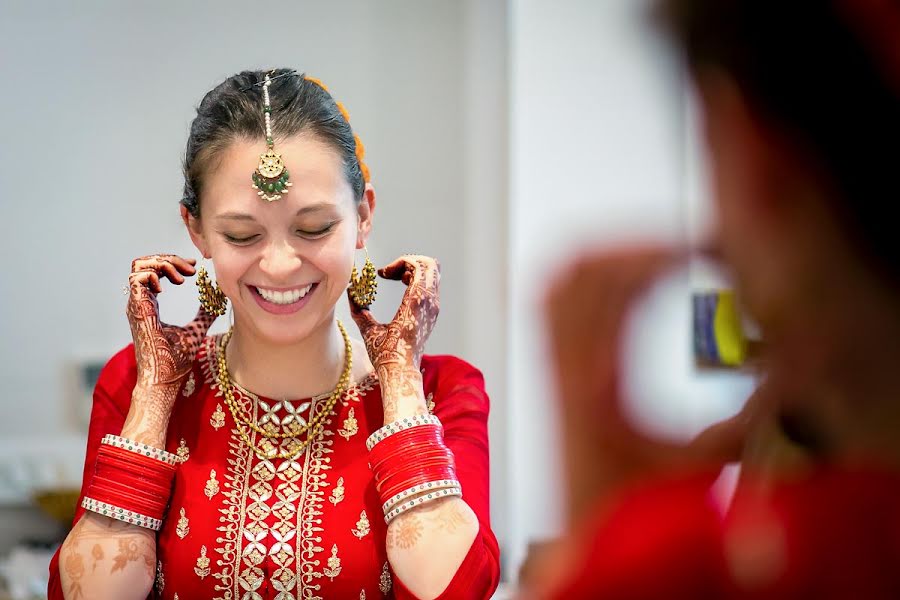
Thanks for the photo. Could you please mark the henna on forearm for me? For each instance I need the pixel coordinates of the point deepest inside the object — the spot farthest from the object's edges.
(148, 416)
(121, 558)
(445, 516)
(427, 544)
(402, 392)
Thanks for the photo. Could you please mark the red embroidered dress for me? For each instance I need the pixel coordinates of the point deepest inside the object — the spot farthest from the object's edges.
(243, 528)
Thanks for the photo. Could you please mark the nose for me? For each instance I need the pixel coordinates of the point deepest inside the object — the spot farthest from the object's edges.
(280, 261)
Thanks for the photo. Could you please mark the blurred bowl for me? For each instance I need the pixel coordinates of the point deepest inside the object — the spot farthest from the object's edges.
(59, 504)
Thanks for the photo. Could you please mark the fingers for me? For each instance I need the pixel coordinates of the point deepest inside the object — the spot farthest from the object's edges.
(147, 280)
(142, 305)
(601, 287)
(413, 267)
(144, 280)
(399, 270)
(586, 312)
(173, 267)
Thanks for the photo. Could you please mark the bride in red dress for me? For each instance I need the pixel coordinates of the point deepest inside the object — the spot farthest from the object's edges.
(283, 459)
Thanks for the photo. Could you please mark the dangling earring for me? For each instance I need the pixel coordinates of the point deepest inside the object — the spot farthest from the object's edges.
(363, 288)
(212, 300)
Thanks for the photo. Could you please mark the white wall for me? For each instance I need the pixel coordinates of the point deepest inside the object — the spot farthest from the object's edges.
(599, 154)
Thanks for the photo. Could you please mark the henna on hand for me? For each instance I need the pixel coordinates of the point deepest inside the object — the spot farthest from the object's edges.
(164, 353)
(396, 348)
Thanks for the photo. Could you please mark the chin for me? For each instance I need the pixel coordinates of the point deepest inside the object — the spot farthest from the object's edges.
(284, 331)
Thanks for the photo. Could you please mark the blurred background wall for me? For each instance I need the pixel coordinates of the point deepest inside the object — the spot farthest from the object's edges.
(502, 135)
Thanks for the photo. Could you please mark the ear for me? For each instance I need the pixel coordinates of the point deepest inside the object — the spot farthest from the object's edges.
(365, 211)
(195, 231)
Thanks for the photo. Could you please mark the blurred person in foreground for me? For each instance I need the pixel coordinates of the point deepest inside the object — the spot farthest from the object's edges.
(801, 114)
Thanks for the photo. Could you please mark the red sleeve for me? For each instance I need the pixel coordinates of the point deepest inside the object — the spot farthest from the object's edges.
(112, 398)
(462, 405)
(667, 529)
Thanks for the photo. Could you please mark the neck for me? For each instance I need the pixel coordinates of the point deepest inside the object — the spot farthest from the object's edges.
(835, 364)
(307, 368)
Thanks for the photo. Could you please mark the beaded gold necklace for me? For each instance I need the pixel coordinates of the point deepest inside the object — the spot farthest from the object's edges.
(313, 428)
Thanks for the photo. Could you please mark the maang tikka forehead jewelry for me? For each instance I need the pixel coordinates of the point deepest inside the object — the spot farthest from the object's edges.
(270, 178)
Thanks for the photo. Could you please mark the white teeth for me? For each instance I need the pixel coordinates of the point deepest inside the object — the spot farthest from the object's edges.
(284, 297)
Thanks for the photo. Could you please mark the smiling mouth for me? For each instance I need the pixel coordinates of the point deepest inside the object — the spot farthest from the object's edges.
(284, 298)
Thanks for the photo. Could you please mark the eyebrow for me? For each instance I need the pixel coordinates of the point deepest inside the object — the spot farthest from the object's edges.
(318, 206)
(238, 216)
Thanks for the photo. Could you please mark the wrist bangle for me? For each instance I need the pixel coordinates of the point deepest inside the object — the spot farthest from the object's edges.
(138, 448)
(400, 425)
(419, 501)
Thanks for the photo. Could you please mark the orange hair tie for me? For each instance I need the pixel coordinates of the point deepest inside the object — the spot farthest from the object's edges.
(360, 149)
(344, 112)
(318, 82)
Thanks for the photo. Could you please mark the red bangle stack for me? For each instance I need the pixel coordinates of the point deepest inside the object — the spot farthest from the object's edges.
(131, 482)
(411, 464)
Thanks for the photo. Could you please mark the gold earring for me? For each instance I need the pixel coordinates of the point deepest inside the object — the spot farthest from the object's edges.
(212, 300)
(364, 287)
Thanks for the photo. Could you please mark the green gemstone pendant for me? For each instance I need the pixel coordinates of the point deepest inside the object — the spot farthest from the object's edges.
(271, 177)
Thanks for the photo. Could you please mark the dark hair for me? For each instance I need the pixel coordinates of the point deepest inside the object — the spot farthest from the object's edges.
(802, 67)
(234, 109)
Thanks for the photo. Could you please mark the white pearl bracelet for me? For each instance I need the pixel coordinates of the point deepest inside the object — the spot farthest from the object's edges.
(400, 425)
(137, 448)
(419, 501)
(413, 491)
(120, 514)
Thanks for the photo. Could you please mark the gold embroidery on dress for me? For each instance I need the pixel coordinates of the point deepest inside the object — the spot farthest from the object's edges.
(350, 428)
(429, 402)
(338, 494)
(176, 596)
(182, 529)
(183, 451)
(384, 582)
(291, 422)
(189, 385)
(334, 564)
(229, 542)
(362, 526)
(289, 531)
(362, 594)
(309, 521)
(212, 485)
(217, 420)
(202, 568)
(160, 579)
(357, 391)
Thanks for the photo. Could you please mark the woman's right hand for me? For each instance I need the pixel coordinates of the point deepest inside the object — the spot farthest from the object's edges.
(164, 352)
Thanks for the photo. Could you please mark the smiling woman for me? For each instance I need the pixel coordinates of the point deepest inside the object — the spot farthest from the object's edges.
(284, 458)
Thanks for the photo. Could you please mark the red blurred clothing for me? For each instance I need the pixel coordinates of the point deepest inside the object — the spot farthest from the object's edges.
(308, 528)
(833, 534)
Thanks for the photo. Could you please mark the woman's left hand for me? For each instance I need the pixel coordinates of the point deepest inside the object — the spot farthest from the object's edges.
(396, 348)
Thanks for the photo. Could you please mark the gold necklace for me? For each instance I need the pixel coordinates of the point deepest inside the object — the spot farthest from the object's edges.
(313, 427)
